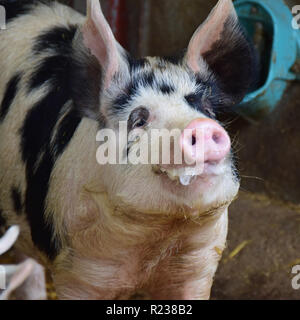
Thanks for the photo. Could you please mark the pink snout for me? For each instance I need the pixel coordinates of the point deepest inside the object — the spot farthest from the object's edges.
(204, 140)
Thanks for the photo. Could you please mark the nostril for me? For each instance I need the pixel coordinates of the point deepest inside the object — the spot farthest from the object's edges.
(217, 137)
(193, 140)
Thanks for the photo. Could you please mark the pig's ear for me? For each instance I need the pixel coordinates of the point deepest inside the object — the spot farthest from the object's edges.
(99, 39)
(220, 42)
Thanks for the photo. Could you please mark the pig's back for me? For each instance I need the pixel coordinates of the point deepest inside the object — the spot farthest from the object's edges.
(36, 116)
(22, 45)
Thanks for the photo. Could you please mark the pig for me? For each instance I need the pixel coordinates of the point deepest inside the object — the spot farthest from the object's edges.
(114, 230)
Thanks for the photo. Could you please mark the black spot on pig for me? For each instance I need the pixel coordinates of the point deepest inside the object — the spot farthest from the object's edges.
(17, 201)
(135, 64)
(145, 80)
(9, 95)
(37, 189)
(70, 58)
(55, 68)
(166, 88)
(65, 131)
(176, 58)
(39, 124)
(16, 8)
(121, 102)
(207, 98)
(50, 69)
(53, 118)
(86, 85)
(36, 136)
(58, 38)
(140, 80)
(194, 100)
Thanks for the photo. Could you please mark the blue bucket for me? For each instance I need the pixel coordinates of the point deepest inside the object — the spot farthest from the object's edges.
(269, 24)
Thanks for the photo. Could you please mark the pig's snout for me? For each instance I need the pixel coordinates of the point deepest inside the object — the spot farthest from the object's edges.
(204, 140)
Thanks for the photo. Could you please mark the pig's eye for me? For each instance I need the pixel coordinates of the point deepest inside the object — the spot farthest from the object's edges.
(197, 101)
(190, 99)
(194, 100)
(140, 123)
(138, 118)
(209, 112)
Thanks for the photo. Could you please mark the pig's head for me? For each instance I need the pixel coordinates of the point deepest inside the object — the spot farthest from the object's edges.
(157, 93)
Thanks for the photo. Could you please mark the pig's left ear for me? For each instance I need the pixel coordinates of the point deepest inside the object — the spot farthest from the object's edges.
(220, 42)
(99, 39)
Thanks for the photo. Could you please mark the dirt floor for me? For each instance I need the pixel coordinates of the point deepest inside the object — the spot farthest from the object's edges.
(264, 223)
(263, 245)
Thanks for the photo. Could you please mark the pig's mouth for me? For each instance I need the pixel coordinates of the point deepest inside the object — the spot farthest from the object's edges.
(177, 175)
(187, 175)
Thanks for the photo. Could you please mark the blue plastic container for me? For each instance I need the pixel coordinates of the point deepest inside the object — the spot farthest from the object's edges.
(269, 24)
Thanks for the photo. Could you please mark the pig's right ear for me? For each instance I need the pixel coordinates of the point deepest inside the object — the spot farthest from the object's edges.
(100, 41)
(220, 43)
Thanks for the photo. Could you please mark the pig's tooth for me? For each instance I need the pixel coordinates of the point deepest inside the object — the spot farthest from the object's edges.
(171, 176)
(182, 171)
(171, 173)
(185, 180)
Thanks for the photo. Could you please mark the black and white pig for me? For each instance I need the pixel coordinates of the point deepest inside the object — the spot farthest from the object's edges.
(115, 231)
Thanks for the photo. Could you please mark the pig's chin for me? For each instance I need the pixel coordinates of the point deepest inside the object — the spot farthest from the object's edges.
(148, 189)
(210, 186)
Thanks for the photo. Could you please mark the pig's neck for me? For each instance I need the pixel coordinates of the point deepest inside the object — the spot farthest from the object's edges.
(119, 227)
(132, 252)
